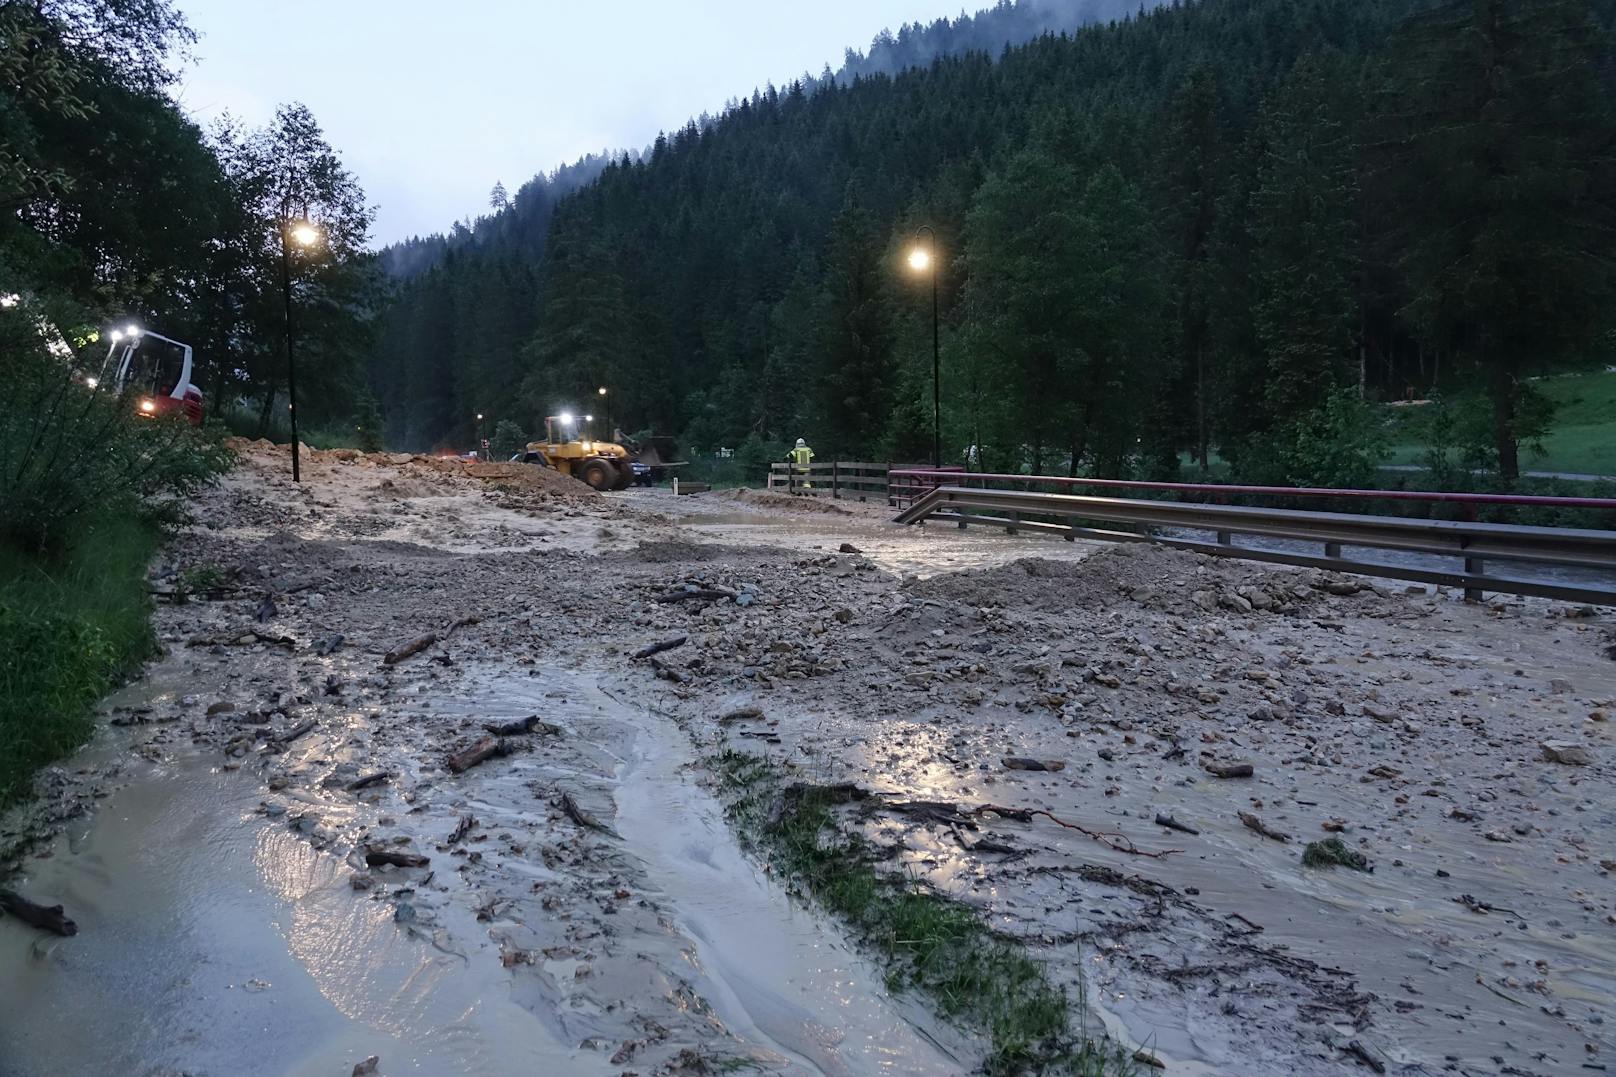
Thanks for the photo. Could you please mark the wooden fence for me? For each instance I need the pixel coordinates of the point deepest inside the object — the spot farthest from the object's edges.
(841, 479)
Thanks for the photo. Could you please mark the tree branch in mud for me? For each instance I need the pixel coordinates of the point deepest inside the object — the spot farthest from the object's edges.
(531, 724)
(1118, 842)
(396, 857)
(45, 917)
(485, 749)
(421, 643)
(658, 648)
(582, 818)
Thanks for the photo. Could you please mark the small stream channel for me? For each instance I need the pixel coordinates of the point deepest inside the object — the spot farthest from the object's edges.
(215, 939)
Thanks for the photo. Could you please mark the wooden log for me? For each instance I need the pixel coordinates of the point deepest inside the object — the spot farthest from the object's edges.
(485, 749)
(531, 724)
(658, 648)
(45, 917)
(582, 818)
(375, 857)
(368, 780)
(704, 594)
(413, 647)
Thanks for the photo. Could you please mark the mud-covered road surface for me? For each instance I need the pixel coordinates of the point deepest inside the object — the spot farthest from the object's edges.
(275, 869)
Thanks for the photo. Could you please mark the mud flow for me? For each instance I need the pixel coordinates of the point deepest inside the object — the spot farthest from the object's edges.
(429, 778)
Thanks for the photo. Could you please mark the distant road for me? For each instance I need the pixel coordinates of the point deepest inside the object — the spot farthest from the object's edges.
(1572, 475)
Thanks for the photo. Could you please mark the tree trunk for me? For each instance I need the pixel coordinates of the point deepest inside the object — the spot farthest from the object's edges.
(1201, 449)
(1504, 440)
(267, 415)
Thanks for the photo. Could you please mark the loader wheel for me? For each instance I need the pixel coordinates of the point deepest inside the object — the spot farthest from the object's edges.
(625, 476)
(598, 474)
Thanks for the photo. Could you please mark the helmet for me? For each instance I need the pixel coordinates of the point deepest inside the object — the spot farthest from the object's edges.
(801, 444)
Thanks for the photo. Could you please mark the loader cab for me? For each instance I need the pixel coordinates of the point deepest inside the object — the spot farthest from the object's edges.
(154, 372)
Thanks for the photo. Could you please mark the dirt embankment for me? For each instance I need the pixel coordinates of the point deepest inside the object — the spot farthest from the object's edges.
(356, 694)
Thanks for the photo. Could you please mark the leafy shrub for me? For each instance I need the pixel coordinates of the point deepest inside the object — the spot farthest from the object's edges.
(66, 452)
(508, 440)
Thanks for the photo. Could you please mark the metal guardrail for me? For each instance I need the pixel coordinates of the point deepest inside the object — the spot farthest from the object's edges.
(1471, 542)
(906, 484)
(839, 479)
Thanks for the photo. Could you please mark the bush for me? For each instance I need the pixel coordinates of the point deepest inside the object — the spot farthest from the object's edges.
(67, 452)
(508, 440)
(69, 631)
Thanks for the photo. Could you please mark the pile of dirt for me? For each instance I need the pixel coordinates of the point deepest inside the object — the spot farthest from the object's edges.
(1157, 577)
(528, 477)
(822, 505)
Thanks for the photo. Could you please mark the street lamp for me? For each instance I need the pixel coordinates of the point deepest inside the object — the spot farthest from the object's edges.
(482, 450)
(607, 406)
(923, 259)
(304, 234)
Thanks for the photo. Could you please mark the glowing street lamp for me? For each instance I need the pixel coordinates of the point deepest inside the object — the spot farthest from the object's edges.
(922, 259)
(304, 234)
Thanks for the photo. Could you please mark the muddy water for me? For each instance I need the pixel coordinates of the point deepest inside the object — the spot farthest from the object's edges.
(776, 976)
(217, 939)
(923, 551)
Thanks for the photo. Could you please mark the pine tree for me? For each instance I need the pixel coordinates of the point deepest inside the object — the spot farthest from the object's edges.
(1498, 137)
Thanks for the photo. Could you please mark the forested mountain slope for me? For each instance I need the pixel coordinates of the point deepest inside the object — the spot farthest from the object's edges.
(1207, 226)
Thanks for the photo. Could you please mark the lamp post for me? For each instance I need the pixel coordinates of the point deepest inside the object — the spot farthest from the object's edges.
(482, 448)
(606, 405)
(302, 233)
(923, 259)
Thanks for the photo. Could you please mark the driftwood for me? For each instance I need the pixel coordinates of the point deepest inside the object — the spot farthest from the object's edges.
(421, 643)
(368, 780)
(1173, 824)
(704, 594)
(658, 648)
(45, 917)
(581, 817)
(668, 673)
(530, 724)
(413, 647)
(329, 644)
(1118, 842)
(297, 731)
(1254, 822)
(1021, 762)
(485, 749)
(1230, 770)
(462, 828)
(396, 857)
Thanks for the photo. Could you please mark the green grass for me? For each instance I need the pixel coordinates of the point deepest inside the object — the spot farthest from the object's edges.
(1582, 439)
(930, 942)
(70, 629)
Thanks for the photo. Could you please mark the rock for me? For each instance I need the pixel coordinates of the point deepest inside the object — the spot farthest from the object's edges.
(1598, 716)
(848, 547)
(315, 601)
(1559, 751)
(1379, 713)
(223, 706)
(1230, 770)
(1205, 599)
(843, 615)
(369, 1065)
(1107, 754)
(1020, 762)
(1498, 835)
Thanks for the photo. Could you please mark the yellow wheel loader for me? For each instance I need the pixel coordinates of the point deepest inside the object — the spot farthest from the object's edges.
(604, 465)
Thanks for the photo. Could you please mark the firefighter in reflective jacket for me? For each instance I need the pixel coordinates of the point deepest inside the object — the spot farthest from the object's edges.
(800, 457)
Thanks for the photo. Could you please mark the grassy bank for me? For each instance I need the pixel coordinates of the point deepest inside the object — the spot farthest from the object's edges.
(1582, 439)
(71, 627)
(929, 942)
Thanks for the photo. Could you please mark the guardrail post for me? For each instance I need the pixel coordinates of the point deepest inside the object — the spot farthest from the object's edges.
(1071, 529)
(1015, 518)
(1332, 550)
(836, 480)
(1473, 566)
(1225, 538)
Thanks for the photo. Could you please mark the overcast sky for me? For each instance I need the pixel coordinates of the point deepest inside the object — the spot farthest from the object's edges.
(430, 102)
